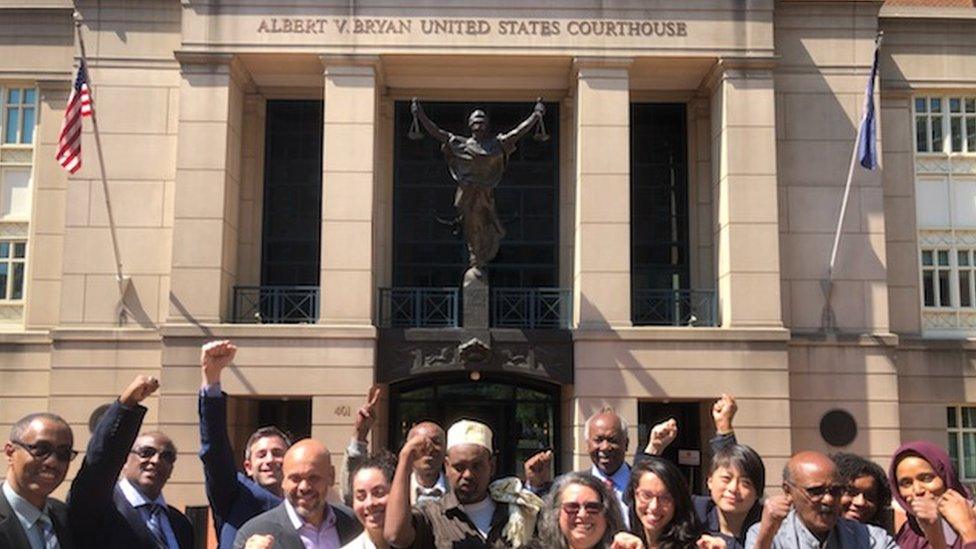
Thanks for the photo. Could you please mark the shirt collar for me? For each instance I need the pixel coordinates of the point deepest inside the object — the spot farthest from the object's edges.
(415, 484)
(806, 537)
(299, 523)
(619, 479)
(137, 498)
(26, 513)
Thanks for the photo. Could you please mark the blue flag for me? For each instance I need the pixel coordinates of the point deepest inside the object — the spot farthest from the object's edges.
(867, 147)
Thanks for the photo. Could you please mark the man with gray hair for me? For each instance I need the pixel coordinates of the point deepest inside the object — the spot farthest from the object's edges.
(606, 442)
(38, 453)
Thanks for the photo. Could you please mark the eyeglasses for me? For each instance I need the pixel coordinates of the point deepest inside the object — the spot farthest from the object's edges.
(147, 452)
(644, 496)
(817, 493)
(43, 449)
(592, 508)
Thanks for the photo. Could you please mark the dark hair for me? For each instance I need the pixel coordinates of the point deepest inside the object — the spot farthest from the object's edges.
(383, 460)
(851, 467)
(265, 432)
(551, 537)
(18, 429)
(746, 460)
(684, 529)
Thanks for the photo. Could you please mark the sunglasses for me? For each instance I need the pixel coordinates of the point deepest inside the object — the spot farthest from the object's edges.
(43, 449)
(591, 508)
(817, 493)
(147, 452)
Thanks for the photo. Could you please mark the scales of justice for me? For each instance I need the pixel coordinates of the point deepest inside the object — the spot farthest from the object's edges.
(477, 164)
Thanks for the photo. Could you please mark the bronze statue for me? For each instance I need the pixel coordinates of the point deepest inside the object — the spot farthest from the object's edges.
(477, 163)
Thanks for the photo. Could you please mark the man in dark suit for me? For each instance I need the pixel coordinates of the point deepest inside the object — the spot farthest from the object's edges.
(127, 513)
(235, 498)
(305, 518)
(38, 454)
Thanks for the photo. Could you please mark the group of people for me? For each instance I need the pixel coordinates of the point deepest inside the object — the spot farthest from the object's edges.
(439, 491)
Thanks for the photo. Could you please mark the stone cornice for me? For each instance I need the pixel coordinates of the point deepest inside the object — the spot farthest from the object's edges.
(725, 65)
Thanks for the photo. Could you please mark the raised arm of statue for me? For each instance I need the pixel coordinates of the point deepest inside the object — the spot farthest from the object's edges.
(518, 132)
(428, 124)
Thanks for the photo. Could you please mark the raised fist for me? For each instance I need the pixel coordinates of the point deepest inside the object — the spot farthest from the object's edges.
(538, 469)
(138, 390)
(710, 542)
(214, 357)
(662, 435)
(417, 446)
(775, 510)
(722, 412)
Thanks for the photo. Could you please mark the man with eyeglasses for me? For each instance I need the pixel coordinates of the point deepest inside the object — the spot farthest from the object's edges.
(38, 454)
(130, 512)
(808, 514)
(235, 498)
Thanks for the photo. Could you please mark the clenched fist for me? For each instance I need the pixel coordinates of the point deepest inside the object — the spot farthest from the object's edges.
(661, 436)
(257, 541)
(710, 542)
(214, 357)
(626, 540)
(538, 469)
(137, 391)
(722, 413)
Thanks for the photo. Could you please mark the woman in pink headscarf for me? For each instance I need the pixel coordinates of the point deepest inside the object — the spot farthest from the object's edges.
(940, 515)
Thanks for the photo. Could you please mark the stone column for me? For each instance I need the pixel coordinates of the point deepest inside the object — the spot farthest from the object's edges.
(601, 270)
(349, 136)
(45, 243)
(743, 123)
(206, 202)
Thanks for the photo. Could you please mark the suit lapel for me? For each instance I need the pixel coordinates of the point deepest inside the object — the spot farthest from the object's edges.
(60, 521)
(132, 516)
(11, 530)
(289, 536)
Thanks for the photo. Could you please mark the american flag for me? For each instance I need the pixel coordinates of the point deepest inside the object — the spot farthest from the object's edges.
(79, 105)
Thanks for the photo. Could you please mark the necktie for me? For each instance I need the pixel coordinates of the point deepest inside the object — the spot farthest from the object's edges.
(155, 524)
(609, 484)
(48, 536)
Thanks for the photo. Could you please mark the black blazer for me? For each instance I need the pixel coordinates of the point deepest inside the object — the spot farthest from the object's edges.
(13, 536)
(104, 518)
(277, 523)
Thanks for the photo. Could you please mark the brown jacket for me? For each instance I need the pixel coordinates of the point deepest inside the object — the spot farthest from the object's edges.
(444, 525)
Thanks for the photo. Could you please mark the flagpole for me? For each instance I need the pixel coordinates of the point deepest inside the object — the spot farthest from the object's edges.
(827, 318)
(122, 280)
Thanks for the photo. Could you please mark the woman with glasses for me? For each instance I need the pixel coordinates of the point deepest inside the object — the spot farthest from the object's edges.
(925, 484)
(661, 513)
(579, 513)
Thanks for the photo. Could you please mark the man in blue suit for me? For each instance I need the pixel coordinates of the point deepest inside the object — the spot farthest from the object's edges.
(235, 497)
(109, 512)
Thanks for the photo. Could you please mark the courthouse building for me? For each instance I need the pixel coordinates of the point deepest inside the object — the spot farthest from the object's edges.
(668, 230)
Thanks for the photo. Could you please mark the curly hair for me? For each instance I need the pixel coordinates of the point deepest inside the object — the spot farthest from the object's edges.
(549, 534)
(851, 467)
(684, 529)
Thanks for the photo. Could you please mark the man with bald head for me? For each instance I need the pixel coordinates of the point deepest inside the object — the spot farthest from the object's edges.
(110, 512)
(305, 519)
(427, 482)
(38, 453)
(808, 514)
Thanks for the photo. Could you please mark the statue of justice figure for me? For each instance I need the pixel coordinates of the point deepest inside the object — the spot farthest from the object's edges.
(477, 164)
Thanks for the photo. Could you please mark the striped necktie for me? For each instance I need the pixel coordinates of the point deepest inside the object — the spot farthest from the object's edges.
(48, 535)
(155, 523)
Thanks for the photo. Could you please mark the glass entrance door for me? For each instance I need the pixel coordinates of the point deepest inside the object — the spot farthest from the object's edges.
(524, 416)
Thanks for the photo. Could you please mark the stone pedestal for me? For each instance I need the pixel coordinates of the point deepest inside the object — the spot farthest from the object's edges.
(475, 288)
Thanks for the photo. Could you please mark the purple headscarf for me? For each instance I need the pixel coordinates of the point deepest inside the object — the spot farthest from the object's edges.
(910, 535)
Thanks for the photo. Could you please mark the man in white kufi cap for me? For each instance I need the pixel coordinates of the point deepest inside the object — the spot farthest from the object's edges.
(472, 514)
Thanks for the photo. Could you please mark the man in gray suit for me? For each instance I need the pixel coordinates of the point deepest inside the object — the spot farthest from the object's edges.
(305, 518)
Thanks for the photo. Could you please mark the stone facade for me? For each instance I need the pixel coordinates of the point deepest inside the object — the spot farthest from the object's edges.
(774, 93)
